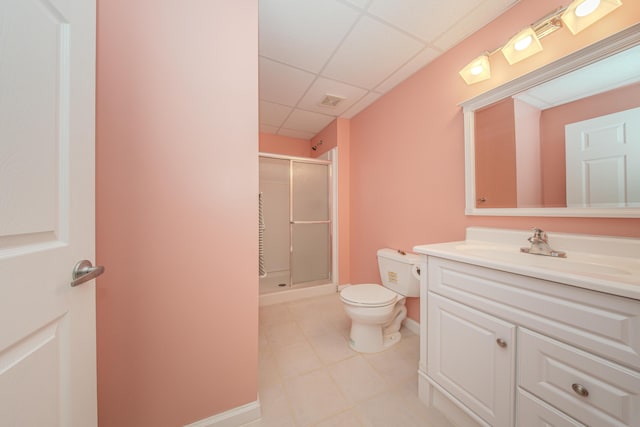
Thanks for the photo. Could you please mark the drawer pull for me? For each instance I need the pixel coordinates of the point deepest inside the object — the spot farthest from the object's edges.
(502, 343)
(580, 389)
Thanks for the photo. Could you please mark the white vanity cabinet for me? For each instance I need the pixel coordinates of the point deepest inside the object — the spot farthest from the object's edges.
(509, 349)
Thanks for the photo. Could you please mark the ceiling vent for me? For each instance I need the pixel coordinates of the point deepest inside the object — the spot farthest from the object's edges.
(331, 101)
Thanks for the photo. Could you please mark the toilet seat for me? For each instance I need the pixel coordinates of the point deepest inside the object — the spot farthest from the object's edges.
(368, 295)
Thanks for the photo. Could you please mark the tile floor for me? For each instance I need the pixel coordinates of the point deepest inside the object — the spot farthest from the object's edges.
(308, 375)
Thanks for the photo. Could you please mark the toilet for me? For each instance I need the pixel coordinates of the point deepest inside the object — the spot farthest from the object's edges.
(376, 311)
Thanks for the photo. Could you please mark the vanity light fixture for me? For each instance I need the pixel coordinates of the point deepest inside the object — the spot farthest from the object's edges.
(577, 16)
(477, 70)
(521, 46)
(582, 13)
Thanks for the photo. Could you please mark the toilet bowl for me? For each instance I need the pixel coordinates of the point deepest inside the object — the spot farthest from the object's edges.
(377, 312)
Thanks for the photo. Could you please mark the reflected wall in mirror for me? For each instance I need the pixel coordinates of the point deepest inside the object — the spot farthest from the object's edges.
(562, 146)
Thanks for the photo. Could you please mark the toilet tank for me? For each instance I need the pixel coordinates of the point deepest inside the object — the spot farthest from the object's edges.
(400, 271)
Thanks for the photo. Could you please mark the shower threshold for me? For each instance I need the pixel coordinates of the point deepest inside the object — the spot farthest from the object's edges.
(297, 292)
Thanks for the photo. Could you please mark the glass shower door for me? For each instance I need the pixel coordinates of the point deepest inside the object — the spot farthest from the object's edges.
(310, 223)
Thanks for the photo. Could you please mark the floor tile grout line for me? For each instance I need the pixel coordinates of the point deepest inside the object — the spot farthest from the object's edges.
(325, 366)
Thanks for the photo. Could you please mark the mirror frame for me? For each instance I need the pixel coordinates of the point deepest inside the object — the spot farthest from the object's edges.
(611, 45)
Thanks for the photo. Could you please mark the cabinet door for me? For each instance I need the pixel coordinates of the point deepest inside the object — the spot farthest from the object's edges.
(471, 355)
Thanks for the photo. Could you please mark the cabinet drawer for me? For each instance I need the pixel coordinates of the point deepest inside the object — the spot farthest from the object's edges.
(533, 412)
(590, 389)
(604, 324)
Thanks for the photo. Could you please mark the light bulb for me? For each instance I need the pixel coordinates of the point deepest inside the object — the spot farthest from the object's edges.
(581, 14)
(476, 70)
(523, 43)
(587, 7)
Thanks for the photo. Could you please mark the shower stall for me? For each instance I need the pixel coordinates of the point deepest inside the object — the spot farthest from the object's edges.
(295, 223)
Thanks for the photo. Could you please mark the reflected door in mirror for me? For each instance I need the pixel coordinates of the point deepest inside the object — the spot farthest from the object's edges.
(603, 161)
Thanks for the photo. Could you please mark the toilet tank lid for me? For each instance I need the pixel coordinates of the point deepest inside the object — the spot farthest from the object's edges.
(397, 255)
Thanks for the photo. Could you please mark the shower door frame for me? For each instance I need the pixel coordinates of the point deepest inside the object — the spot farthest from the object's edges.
(332, 215)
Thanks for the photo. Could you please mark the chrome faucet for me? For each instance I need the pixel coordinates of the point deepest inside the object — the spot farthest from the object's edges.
(540, 245)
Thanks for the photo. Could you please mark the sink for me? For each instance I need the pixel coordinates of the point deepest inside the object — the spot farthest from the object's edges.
(576, 263)
(600, 263)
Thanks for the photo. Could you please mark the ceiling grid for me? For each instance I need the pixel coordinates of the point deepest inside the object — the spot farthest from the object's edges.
(351, 49)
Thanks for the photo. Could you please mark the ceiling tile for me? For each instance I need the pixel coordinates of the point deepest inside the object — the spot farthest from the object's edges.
(472, 22)
(422, 59)
(286, 84)
(322, 87)
(268, 129)
(297, 134)
(307, 121)
(370, 54)
(369, 99)
(303, 33)
(273, 114)
(423, 19)
(356, 49)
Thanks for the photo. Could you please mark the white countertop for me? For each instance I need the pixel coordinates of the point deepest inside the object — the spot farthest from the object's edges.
(599, 263)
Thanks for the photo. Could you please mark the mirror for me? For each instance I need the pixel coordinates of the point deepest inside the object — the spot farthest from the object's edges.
(541, 145)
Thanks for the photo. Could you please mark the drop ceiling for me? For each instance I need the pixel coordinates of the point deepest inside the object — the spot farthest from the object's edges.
(355, 50)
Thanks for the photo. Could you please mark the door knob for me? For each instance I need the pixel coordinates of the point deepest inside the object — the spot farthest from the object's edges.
(84, 271)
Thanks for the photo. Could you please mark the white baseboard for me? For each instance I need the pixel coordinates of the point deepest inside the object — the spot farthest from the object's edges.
(412, 325)
(231, 418)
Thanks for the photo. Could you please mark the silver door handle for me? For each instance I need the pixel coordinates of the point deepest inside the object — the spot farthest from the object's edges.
(84, 271)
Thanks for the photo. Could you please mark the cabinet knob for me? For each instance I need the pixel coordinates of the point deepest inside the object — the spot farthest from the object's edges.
(580, 389)
(502, 343)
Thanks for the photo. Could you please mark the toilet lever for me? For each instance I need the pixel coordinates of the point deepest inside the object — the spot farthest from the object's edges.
(401, 252)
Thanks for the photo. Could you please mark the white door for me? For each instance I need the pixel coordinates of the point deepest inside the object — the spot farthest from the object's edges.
(47, 328)
(603, 161)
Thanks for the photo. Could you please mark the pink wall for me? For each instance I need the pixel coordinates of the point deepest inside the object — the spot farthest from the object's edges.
(177, 179)
(552, 123)
(337, 134)
(407, 173)
(327, 138)
(284, 145)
